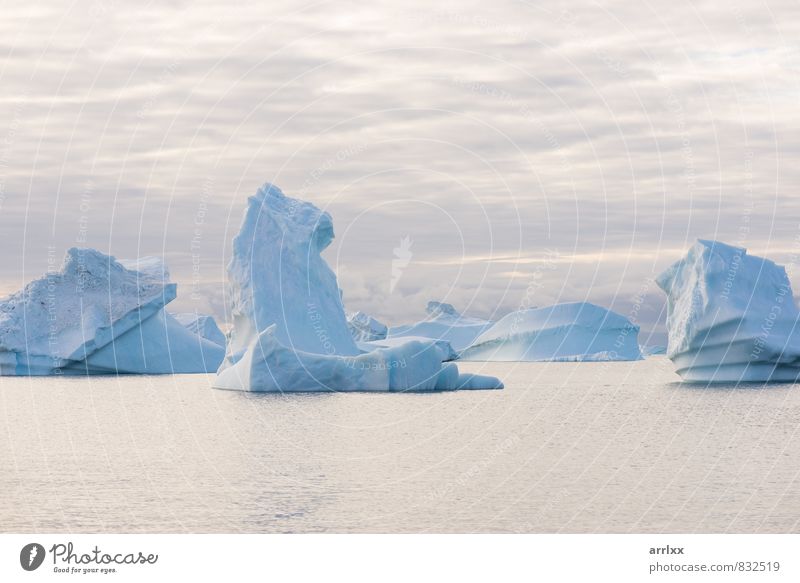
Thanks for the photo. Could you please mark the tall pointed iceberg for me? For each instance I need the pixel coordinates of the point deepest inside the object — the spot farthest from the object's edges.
(731, 316)
(277, 276)
(290, 331)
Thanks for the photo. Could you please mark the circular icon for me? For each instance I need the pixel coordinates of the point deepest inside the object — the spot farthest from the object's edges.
(31, 556)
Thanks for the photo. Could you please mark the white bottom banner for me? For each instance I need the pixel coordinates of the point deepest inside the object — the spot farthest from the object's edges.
(378, 558)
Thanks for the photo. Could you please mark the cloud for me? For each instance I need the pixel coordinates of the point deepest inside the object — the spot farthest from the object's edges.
(614, 135)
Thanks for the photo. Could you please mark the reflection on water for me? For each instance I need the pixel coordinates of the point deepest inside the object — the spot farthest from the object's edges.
(591, 447)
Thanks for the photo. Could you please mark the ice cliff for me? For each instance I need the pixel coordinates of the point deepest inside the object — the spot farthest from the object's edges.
(290, 332)
(577, 331)
(731, 316)
(96, 315)
(444, 322)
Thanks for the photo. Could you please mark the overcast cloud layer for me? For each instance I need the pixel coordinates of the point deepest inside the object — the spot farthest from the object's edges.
(493, 155)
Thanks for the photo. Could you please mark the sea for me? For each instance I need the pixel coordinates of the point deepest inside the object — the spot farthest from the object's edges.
(613, 447)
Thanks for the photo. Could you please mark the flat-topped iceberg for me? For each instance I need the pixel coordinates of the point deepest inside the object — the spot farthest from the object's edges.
(444, 322)
(203, 325)
(97, 316)
(365, 328)
(577, 331)
(290, 332)
(731, 316)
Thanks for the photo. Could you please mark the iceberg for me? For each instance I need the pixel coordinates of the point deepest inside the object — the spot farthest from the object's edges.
(158, 345)
(653, 350)
(444, 322)
(203, 325)
(290, 333)
(412, 366)
(365, 328)
(578, 331)
(277, 276)
(731, 316)
(97, 315)
(446, 350)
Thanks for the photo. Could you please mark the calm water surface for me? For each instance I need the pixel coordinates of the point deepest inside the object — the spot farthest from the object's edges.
(566, 447)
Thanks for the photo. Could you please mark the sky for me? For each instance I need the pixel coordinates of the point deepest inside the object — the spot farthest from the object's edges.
(496, 156)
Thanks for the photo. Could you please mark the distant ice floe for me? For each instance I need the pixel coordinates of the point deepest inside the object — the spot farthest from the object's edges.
(97, 315)
(365, 328)
(653, 350)
(577, 332)
(203, 325)
(444, 322)
(290, 333)
(731, 316)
